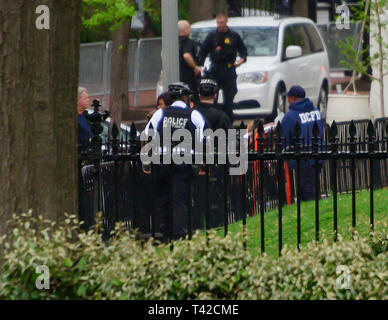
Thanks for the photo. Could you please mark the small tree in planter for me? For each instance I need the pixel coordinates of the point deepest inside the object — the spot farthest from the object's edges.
(370, 13)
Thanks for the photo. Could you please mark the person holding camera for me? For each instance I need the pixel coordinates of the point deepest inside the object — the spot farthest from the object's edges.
(83, 124)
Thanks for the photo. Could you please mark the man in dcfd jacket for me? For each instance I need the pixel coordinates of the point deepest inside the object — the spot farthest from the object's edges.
(224, 44)
(302, 111)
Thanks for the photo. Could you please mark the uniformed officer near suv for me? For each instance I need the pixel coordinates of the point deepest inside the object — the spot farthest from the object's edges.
(177, 116)
(224, 45)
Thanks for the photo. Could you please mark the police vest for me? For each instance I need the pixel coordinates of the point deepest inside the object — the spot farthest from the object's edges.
(176, 118)
(225, 50)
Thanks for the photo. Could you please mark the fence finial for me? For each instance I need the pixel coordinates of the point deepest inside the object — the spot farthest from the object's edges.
(279, 129)
(333, 130)
(297, 130)
(260, 128)
(352, 129)
(115, 131)
(315, 129)
(386, 128)
(371, 130)
(132, 138)
(132, 133)
(333, 137)
(278, 141)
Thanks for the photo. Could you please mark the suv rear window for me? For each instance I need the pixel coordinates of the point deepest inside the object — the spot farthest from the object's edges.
(315, 40)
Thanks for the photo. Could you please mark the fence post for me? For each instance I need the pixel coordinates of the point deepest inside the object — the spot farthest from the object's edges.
(296, 139)
(132, 150)
(334, 148)
(260, 151)
(371, 137)
(352, 140)
(279, 146)
(243, 194)
(226, 189)
(115, 149)
(317, 182)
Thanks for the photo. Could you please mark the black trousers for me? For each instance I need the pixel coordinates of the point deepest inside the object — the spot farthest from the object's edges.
(173, 214)
(193, 83)
(307, 183)
(226, 80)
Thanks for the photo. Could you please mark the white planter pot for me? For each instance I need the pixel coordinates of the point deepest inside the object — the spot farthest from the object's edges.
(346, 107)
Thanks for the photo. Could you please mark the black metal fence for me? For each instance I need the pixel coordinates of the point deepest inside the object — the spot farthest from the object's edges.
(354, 156)
(258, 7)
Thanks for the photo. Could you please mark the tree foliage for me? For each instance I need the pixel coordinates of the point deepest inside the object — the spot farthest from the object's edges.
(154, 9)
(349, 46)
(111, 13)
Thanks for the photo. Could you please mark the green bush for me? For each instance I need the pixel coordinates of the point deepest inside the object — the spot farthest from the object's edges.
(82, 266)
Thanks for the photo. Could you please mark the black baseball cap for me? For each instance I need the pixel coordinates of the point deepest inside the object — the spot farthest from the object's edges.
(296, 91)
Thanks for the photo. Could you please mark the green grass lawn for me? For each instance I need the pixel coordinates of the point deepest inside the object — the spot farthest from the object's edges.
(326, 221)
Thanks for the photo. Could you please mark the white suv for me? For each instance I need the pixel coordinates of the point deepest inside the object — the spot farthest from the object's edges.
(281, 53)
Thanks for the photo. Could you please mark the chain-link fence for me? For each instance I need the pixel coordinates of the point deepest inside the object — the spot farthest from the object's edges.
(332, 36)
(93, 67)
(144, 66)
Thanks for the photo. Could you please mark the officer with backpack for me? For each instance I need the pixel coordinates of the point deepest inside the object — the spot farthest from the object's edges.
(176, 116)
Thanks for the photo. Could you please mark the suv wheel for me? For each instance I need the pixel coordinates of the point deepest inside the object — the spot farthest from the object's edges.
(323, 100)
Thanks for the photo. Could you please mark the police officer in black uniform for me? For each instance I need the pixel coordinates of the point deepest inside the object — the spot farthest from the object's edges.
(189, 72)
(216, 118)
(177, 116)
(223, 45)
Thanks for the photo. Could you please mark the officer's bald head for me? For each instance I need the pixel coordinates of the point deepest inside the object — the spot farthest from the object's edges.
(184, 28)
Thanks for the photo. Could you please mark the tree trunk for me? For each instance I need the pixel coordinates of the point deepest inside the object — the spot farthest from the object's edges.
(220, 6)
(380, 43)
(300, 8)
(119, 77)
(206, 9)
(378, 38)
(38, 123)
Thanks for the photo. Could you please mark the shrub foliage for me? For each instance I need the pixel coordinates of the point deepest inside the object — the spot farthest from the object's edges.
(82, 266)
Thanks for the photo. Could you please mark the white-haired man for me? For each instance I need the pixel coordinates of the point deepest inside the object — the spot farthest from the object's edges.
(83, 131)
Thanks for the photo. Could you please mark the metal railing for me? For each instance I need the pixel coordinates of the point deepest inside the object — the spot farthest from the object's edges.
(354, 156)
